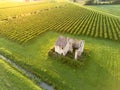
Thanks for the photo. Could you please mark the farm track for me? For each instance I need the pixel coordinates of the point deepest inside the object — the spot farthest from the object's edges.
(63, 19)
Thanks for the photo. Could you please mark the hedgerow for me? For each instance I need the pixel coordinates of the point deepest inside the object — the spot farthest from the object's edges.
(69, 58)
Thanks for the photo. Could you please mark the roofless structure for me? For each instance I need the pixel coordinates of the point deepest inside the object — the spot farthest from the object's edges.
(65, 44)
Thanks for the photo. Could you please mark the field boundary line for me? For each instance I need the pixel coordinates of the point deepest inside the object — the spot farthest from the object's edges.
(28, 74)
(100, 12)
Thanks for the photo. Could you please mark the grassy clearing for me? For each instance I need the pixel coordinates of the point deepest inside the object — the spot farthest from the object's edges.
(101, 71)
(10, 79)
(110, 9)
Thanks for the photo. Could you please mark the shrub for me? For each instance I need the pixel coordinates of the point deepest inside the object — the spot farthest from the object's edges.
(89, 2)
(116, 2)
(69, 58)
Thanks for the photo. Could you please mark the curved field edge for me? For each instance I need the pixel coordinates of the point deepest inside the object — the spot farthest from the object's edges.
(10, 79)
(82, 22)
(109, 9)
(102, 65)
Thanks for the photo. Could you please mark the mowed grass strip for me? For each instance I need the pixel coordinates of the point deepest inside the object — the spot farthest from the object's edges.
(82, 22)
(101, 70)
(10, 79)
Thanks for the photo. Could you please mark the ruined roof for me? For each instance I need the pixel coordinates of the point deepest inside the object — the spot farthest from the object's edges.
(62, 41)
(77, 43)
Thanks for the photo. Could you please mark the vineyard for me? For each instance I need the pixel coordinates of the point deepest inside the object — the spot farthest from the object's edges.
(61, 19)
(29, 31)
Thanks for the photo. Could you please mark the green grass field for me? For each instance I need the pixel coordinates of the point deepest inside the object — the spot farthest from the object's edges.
(29, 38)
(10, 79)
(110, 9)
(100, 71)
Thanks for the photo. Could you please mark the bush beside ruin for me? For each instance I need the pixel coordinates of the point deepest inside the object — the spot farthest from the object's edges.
(69, 58)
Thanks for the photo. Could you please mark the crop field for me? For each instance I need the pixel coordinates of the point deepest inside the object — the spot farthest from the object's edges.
(10, 79)
(30, 31)
(17, 10)
(60, 19)
(110, 9)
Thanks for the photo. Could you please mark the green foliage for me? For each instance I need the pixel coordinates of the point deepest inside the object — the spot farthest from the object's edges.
(89, 2)
(101, 2)
(69, 58)
(116, 1)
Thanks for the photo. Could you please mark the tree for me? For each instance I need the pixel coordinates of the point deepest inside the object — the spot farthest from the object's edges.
(89, 2)
(116, 1)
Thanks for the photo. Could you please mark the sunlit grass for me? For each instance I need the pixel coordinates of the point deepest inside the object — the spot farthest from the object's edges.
(100, 71)
(12, 0)
(110, 9)
(10, 79)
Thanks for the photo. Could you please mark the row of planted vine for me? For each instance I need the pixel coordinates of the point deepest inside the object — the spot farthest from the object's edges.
(24, 8)
(90, 23)
(70, 19)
